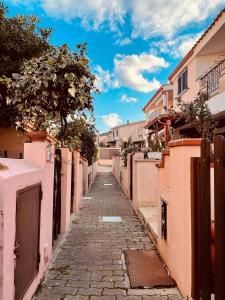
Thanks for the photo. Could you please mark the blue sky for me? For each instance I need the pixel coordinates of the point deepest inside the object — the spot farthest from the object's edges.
(133, 45)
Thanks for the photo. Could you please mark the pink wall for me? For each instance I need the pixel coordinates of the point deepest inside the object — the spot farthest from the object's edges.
(12, 140)
(66, 188)
(78, 180)
(175, 190)
(20, 174)
(85, 174)
(145, 185)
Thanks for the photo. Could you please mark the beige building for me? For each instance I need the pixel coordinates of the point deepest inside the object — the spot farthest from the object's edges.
(203, 70)
(121, 134)
(158, 111)
(104, 139)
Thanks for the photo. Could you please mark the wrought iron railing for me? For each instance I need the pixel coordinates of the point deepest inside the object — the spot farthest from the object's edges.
(209, 82)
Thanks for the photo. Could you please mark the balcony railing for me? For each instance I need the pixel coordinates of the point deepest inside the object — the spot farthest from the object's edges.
(209, 82)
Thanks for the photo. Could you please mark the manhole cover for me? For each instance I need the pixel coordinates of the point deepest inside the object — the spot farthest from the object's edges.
(112, 219)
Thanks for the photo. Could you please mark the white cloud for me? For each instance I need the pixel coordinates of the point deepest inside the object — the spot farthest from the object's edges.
(127, 99)
(104, 79)
(129, 71)
(178, 47)
(124, 41)
(160, 17)
(111, 120)
(93, 14)
(148, 17)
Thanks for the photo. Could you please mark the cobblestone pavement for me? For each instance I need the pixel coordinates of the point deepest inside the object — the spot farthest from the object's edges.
(90, 264)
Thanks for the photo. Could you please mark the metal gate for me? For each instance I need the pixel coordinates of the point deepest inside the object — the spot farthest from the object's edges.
(208, 238)
(28, 207)
(57, 194)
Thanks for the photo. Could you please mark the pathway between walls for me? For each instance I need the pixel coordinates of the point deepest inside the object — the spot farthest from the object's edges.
(90, 264)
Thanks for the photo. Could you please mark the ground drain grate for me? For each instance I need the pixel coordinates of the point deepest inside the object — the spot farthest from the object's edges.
(146, 269)
(112, 219)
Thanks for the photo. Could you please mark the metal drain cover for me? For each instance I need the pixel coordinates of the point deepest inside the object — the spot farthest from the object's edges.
(146, 269)
(112, 219)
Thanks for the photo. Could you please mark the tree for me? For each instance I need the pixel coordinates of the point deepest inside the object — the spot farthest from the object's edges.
(52, 88)
(21, 39)
(128, 147)
(198, 115)
(82, 134)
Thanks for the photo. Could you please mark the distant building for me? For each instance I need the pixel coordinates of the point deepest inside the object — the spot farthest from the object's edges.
(158, 111)
(104, 139)
(121, 134)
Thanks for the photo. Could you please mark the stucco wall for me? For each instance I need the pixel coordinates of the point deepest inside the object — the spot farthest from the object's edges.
(65, 188)
(146, 183)
(175, 190)
(12, 140)
(78, 181)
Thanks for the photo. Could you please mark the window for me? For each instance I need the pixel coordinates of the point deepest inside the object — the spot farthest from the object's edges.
(113, 134)
(117, 132)
(182, 82)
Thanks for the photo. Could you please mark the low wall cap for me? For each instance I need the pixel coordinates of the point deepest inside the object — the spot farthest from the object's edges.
(185, 142)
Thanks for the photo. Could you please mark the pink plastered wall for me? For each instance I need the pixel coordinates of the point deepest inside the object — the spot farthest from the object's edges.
(145, 183)
(19, 174)
(85, 175)
(175, 190)
(66, 188)
(78, 181)
(12, 140)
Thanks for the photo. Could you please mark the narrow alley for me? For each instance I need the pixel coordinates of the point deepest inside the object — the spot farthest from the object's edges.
(90, 262)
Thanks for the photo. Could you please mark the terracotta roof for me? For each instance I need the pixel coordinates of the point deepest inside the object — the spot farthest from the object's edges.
(190, 53)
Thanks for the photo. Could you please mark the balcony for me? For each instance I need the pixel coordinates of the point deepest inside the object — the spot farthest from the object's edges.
(213, 81)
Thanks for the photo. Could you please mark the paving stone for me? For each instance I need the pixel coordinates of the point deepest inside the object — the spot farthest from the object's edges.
(102, 284)
(129, 298)
(78, 284)
(114, 291)
(103, 297)
(90, 292)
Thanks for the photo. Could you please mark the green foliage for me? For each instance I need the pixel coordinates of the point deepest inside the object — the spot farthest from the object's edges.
(21, 39)
(156, 142)
(52, 88)
(128, 147)
(81, 134)
(198, 115)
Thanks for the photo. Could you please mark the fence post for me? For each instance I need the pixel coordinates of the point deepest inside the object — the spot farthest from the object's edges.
(219, 182)
(205, 222)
